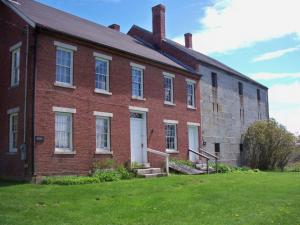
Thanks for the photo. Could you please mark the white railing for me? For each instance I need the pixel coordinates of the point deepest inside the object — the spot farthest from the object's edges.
(163, 154)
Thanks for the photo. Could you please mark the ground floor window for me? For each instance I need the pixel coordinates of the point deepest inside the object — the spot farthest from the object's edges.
(217, 149)
(102, 133)
(63, 131)
(13, 132)
(171, 137)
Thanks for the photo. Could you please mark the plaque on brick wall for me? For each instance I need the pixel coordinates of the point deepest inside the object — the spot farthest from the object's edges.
(39, 139)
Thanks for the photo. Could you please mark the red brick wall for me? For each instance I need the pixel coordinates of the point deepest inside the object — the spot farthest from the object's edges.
(86, 101)
(13, 31)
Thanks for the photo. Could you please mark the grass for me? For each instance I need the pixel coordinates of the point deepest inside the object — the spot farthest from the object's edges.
(237, 198)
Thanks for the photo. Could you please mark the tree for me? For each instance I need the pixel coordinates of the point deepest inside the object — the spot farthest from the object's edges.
(268, 145)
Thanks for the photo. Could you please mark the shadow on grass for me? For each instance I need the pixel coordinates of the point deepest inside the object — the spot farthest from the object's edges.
(6, 183)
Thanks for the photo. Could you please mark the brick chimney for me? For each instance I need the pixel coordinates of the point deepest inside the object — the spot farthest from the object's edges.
(114, 27)
(188, 40)
(158, 23)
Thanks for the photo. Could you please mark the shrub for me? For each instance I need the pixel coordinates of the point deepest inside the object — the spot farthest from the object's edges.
(267, 145)
(124, 173)
(294, 167)
(223, 168)
(70, 180)
(107, 175)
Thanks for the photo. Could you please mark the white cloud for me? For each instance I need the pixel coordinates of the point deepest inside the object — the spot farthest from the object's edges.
(284, 100)
(273, 76)
(275, 54)
(233, 24)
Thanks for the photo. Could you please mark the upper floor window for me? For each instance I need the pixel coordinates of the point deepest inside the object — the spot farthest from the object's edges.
(169, 88)
(102, 74)
(137, 81)
(13, 129)
(241, 88)
(258, 95)
(214, 80)
(64, 64)
(191, 93)
(15, 65)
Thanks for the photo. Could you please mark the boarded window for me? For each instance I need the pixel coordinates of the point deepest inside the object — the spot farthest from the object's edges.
(258, 95)
(241, 89)
(214, 80)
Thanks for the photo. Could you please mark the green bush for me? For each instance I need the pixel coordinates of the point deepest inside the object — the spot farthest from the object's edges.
(124, 173)
(70, 180)
(294, 167)
(107, 175)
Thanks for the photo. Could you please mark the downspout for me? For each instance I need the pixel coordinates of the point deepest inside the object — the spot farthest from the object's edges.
(33, 102)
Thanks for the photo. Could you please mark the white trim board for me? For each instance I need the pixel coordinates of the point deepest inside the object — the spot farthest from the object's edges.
(137, 66)
(103, 114)
(190, 81)
(102, 56)
(13, 110)
(168, 75)
(171, 121)
(66, 46)
(134, 108)
(193, 124)
(63, 110)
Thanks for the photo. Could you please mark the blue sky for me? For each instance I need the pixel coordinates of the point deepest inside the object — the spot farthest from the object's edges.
(260, 38)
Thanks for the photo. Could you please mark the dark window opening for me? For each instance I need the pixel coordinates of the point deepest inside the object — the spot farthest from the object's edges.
(258, 94)
(214, 80)
(217, 149)
(241, 147)
(241, 89)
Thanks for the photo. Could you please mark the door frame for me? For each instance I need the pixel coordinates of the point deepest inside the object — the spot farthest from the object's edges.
(142, 111)
(195, 126)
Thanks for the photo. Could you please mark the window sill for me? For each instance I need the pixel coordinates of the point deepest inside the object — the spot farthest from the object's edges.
(64, 152)
(169, 103)
(58, 84)
(11, 153)
(14, 86)
(172, 151)
(99, 91)
(103, 152)
(191, 107)
(138, 98)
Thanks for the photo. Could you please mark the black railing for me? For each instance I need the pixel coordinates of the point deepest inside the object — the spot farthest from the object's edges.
(209, 155)
(201, 155)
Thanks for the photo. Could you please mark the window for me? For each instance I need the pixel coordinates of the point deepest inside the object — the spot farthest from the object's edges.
(15, 67)
(241, 147)
(64, 66)
(102, 74)
(241, 89)
(217, 149)
(258, 95)
(168, 87)
(137, 82)
(191, 94)
(171, 136)
(214, 80)
(102, 134)
(13, 132)
(63, 131)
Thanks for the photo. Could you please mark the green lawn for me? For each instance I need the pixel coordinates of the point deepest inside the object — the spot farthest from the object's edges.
(258, 198)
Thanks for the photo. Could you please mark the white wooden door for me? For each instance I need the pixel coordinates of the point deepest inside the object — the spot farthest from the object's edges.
(193, 142)
(137, 138)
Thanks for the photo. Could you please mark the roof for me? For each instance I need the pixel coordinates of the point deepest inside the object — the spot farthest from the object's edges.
(205, 59)
(37, 14)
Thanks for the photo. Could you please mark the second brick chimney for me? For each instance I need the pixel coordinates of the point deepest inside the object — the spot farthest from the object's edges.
(188, 37)
(158, 23)
(114, 27)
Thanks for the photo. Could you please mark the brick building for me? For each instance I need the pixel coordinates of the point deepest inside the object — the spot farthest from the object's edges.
(73, 92)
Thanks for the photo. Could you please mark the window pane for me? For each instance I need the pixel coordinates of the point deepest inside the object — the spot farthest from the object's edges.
(63, 66)
(15, 67)
(137, 83)
(102, 133)
(168, 85)
(13, 132)
(190, 94)
(102, 74)
(63, 130)
(170, 133)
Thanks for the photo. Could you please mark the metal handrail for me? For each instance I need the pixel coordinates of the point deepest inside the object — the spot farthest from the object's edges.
(204, 156)
(163, 154)
(211, 155)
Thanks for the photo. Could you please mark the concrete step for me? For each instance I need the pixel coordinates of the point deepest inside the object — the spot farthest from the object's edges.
(148, 171)
(153, 175)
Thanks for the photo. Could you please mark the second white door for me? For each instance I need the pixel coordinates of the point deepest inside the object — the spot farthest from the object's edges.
(193, 142)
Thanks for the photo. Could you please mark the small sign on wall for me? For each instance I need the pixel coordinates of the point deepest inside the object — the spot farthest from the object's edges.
(39, 139)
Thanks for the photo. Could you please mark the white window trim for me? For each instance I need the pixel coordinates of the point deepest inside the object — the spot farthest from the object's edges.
(101, 91)
(103, 114)
(63, 109)
(67, 151)
(171, 121)
(11, 149)
(137, 66)
(102, 56)
(166, 74)
(15, 46)
(193, 124)
(15, 49)
(170, 76)
(65, 46)
(13, 110)
(141, 109)
(63, 84)
(192, 82)
(142, 84)
(108, 150)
